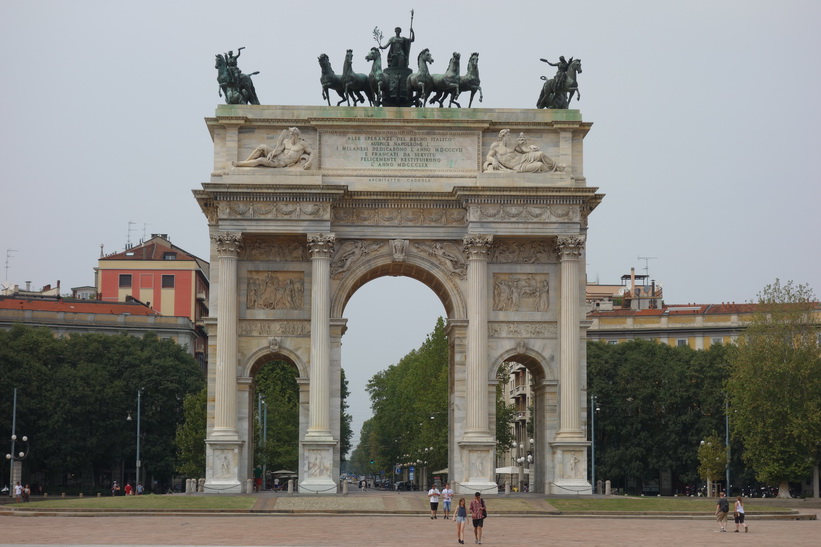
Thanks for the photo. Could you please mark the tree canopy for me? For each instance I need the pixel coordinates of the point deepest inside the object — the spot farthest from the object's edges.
(775, 385)
(75, 394)
(657, 403)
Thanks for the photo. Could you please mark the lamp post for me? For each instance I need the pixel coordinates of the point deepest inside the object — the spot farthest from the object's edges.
(12, 457)
(593, 409)
(139, 405)
(727, 441)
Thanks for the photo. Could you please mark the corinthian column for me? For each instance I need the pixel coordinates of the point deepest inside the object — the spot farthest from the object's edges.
(476, 404)
(570, 249)
(225, 398)
(320, 247)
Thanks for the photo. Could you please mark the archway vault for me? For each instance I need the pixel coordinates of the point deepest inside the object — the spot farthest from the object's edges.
(425, 271)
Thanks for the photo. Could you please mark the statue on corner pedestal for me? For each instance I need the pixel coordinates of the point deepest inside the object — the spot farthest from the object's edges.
(557, 92)
(234, 85)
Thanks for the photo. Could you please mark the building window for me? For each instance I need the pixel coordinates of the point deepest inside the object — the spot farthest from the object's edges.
(125, 280)
(169, 256)
(168, 282)
(717, 341)
(681, 343)
(612, 342)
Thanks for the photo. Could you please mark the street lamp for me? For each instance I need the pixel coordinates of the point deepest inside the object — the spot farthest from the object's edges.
(12, 457)
(139, 404)
(593, 409)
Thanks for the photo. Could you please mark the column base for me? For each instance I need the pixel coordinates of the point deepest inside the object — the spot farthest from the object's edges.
(317, 458)
(570, 464)
(222, 466)
(477, 451)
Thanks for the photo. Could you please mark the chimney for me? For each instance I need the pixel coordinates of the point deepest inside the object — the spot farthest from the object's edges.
(28, 286)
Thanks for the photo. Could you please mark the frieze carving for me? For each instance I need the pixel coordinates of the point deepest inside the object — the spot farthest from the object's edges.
(275, 290)
(570, 247)
(348, 253)
(545, 213)
(520, 157)
(522, 252)
(290, 150)
(446, 254)
(387, 216)
(518, 329)
(399, 248)
(280, 250)
(279, 210)
(515, 292)
(229, 244)
(274, 328)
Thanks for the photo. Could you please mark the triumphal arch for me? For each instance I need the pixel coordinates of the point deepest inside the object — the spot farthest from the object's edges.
(487, 207)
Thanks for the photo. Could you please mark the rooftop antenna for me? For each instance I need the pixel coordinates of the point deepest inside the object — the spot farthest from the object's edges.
(647, 260)
(8, 255)
(145, 226)
(128, 239)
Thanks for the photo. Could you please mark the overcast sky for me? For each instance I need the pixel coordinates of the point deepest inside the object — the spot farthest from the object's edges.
(705, 137)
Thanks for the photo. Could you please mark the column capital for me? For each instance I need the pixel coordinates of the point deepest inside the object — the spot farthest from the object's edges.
(321, 245)
(477, 245)
(228, 243)
(570, 247)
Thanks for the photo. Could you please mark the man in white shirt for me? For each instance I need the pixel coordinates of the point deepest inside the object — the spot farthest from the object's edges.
(18, 492)
(447, 495)
(433, 494)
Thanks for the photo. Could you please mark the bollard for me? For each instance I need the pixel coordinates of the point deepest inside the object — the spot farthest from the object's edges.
(81, 494)
(344, 488)
(201, 485)
(606, 488)
(290, 487)
(99, 494)
(598, 487)
(63, 494)
(45, 495)
(249, 486)
(507, 487)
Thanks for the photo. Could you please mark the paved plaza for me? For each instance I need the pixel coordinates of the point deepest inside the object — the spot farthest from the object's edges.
(510, 528)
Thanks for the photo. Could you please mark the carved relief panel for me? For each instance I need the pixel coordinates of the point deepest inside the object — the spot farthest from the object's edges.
(275, 290)
(520, 292)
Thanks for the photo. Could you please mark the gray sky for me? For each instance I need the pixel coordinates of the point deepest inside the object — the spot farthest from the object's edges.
(704, 140)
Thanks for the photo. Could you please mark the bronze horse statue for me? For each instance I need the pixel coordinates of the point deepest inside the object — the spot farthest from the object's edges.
(377, 79)
(354, 82)
(558, 92)
(420, 83)
(330, 80)
(447, 84)
(470, 81)
(237, 87)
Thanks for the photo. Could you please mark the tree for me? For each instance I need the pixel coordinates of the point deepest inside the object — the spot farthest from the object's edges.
(276, 382)
(657, 403)
(712, 460)
(775, 386)
(505, 414)
(191, 435)
(76, 392)
(345, 430)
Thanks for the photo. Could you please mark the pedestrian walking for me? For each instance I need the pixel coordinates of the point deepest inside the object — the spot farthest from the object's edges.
(18, 492)
(461, 521)
(739, 514)
(447, 496)
(722, 508)
(433, 495)
(478, 513)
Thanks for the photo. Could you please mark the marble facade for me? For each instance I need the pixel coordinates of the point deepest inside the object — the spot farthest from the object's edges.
(440, 195)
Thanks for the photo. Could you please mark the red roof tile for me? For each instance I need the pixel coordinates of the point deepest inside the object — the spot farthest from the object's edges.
(71, 305)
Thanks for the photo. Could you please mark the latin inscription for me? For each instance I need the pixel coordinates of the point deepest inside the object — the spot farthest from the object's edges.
(416, 150)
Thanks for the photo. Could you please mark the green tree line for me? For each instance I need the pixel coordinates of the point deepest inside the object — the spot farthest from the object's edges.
(74, 395)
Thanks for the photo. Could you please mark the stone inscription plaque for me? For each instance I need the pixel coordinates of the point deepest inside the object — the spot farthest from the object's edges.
(398, 149)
